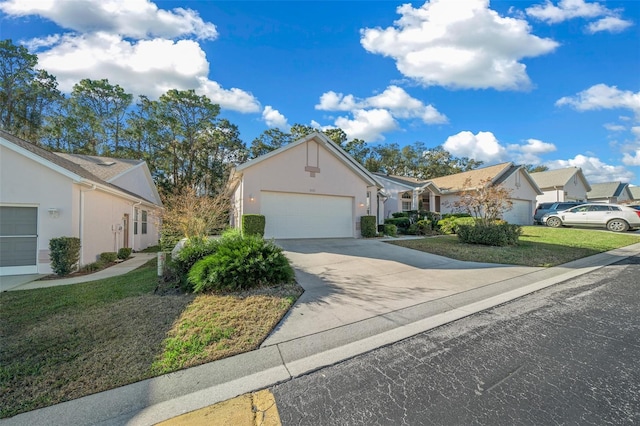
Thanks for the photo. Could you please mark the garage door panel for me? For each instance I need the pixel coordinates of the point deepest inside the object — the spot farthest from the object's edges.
(306, 216)
(18, 240)
(520, 214)
(18, 251)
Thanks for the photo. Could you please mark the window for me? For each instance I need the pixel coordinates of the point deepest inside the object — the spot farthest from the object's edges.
(143, 226)
(368, 203)
(135, 221)
(406, 201)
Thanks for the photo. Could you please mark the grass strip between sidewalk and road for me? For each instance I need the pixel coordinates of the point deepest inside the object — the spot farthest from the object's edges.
(538, 246)
(62, 343)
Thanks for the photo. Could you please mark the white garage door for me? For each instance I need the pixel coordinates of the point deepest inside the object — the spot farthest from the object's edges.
(290, 215)
(18, 240)
(520, 214)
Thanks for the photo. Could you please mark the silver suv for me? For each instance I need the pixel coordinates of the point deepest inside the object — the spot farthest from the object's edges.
(557, 206)
(614, 217)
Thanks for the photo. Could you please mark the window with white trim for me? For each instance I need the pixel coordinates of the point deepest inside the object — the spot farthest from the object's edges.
(406, 201)
(135, 221)
(143, 224)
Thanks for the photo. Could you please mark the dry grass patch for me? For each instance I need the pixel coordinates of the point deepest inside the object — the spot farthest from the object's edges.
(61, 343)
(538, 246)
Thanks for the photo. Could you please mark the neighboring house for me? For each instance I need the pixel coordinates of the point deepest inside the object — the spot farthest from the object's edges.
(567, 184)
(310, 188)
(635, 194)
(440, 194)
(108, 203)
(610, 192)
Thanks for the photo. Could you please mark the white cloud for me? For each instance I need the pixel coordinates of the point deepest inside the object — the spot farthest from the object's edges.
(483, 146)
(530, 152)
(631, 159)
(602, 96)
(610, 23)
(614, 127)
(594, 169)
(566, 9)
(368, 125)
(458, 44)
(570, 9)
(130, 18)
(274, 118)
(131, 43)
(332, 101)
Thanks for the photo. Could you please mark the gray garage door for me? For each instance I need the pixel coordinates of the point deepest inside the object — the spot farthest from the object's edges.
(18, 240)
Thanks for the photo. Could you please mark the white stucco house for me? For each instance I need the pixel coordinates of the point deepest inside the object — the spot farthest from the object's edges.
(568, 184)
(440, 194)
(108, 203)
(310, 188)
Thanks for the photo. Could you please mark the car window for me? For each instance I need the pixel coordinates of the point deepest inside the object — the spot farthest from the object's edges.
(615, 208)
(545, 206)
(598, 208)
(564, 206)
(579, 209)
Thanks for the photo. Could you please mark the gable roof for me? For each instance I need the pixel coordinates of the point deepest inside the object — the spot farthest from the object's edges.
(105, 168)
(558, 178)
(635, 192)
(61, 164)
(607, 190)
(331, 146)
(458, 181)
(409, 182)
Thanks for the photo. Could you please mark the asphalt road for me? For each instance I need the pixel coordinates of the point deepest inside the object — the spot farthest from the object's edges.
(569, 354)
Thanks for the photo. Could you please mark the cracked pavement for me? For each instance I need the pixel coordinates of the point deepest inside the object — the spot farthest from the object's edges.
(567, 354)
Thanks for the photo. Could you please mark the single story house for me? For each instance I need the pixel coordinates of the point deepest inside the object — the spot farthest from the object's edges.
(635, 194)
(310, 188)
(610, 192)
(440, 194)
(568, 184)
(108, 203)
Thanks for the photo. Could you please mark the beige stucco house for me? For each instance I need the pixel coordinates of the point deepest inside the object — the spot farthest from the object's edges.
(310, 188)
(440, 194)
(568, 184)
(107, 203)
(610, 192)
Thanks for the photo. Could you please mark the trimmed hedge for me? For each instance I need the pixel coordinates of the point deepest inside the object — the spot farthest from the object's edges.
(390, 230)
(241, 262)
(502, 234)
(402, 223)
(368, 226)
(450, 224)
(124, 253)
(253, 224)
(108, 256)
(64, 254)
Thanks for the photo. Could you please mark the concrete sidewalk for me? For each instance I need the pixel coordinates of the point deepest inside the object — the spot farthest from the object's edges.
(291, 351)
(29, 282)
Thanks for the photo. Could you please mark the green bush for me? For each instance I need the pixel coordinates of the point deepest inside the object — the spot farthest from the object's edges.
(193, 250)
(490, 235)
(241, 262)
(449, 224)
(124, 253)
(108, 256)
(399, 214)
(253, 224)
(64, 253)
(402, 223)
(368, 226)
(390, 230)
(424, 227)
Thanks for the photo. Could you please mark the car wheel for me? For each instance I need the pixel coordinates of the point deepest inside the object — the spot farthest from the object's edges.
(617, 225)
(554, 222)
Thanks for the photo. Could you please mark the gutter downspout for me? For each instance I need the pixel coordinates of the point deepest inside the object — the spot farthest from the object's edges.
(81, 224)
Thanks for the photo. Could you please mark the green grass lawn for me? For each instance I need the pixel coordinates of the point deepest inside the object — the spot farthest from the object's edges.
(539, 246)
(61, 343)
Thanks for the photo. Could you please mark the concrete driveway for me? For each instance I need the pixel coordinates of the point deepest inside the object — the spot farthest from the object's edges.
(351, 280)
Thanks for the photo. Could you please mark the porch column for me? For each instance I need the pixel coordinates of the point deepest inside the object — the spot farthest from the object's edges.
(432, 201)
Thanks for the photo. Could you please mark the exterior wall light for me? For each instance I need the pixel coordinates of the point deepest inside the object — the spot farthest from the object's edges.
(54, 213)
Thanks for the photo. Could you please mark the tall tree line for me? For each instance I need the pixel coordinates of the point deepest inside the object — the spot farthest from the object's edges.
(180, 135)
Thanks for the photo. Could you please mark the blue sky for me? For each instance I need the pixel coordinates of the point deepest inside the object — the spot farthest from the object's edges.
(555, 83)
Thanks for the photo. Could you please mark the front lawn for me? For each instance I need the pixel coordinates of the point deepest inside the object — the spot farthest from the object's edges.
(539, 246)
(61, 343)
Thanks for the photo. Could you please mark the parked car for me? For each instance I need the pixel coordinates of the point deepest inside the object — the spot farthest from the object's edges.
(613, 217)
(557, 206)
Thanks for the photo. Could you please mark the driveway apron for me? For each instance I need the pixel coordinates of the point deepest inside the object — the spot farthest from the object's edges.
(351, 280)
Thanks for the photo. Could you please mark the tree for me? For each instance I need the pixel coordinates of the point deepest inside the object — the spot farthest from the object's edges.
(25, 92)
(439, 162)
(269, 140)
(530, 168)
(487, 202)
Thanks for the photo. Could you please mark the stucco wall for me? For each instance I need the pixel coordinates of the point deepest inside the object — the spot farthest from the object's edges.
(137, 181)
(574, 190)
(285, 172)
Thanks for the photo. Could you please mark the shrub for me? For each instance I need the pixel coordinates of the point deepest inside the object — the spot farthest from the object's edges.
(402, 223)
(450, 224)
(489, 235)
(390, 230)
(399, 214)
(368, 226)
(64, 253)
(124, 253)
(253, 224)
(108, 256)
(424, 227)
(193, 250)
(241, 262)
